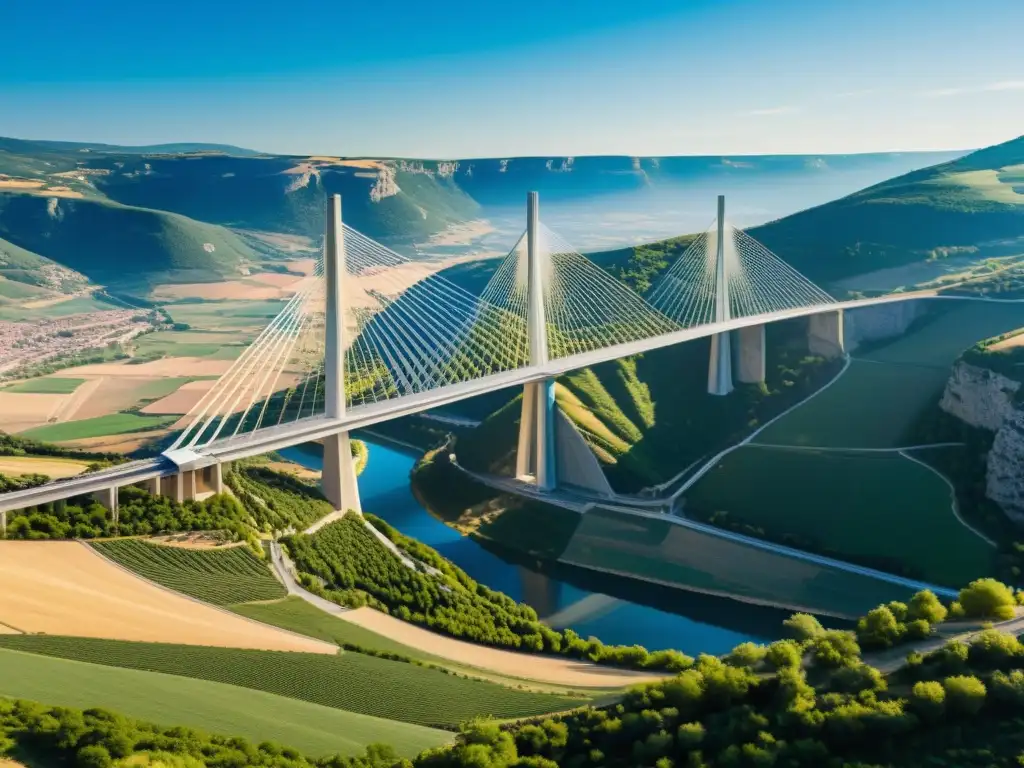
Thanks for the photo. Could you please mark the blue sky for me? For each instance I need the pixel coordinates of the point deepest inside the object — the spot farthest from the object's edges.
(475, 78)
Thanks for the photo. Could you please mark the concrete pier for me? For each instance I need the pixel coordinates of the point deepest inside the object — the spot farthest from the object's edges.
(750, 357)
(825, 334)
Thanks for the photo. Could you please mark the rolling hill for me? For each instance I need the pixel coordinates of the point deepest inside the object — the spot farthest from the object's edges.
(99, 239)
(90, 206)
(972, 206)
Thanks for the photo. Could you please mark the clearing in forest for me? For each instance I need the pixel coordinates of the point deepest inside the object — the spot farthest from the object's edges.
(65, 588)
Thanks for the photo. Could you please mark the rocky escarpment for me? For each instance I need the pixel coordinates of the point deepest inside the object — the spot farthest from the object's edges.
(979, 396)
(987, 399)
(1005, 477)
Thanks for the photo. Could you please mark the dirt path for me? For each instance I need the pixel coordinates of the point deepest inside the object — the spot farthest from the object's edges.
(547, 669)
(894, 658)
(66, 588)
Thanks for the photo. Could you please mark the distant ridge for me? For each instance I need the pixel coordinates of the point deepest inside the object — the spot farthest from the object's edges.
(972, 204)
(42, 145)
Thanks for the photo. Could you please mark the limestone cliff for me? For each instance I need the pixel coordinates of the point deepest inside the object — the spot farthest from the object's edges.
(984, 398)
(978, 396)
(1004, 482)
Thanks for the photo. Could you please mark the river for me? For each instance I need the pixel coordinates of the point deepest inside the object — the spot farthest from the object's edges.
(694, 623)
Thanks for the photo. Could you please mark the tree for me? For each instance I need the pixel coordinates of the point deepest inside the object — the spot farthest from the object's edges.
(988, 599)
(925, 605)
(834, 648)
(965, 694)
(928, 700)
(784, 654)
(746, 655)
(879, 628)
(803, 626)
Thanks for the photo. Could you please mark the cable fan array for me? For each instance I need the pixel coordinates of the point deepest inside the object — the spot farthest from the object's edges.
(758, 282)
(585, 307)
(406, 329)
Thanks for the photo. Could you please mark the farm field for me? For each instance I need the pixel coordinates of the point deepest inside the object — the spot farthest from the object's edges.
(218, 576)
(351, 681)
(225, 315)
(189, 344)
(208, 706)
(870, 406)
(48, 385)
(100, 426)
(65, 588)
(852, 504)
(182, 399)
(52, 466)
(295, 614)
(546, 669)
(22, 410)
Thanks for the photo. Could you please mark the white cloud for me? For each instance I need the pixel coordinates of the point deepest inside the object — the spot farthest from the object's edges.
(855, 94)
(771, 111)
(1005, 85)
(943, 92)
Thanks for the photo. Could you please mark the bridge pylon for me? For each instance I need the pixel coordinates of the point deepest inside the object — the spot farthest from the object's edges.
(339, 474)
(536, 453)
(720, 364)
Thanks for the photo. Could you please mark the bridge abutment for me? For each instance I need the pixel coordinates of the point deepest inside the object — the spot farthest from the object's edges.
(825, 334)
(750, 357)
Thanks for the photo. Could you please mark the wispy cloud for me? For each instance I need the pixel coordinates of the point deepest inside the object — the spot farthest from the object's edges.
(771, 111)
(1006, 85)
(939, 93)
(855, 94)
(1003, 85)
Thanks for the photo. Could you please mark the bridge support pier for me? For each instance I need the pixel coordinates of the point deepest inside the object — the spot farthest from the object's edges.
(3, 523)
(535, 457)
(184, 485)
(720, 365)
(825, 334)
(750, 354)
(214, 477)
(108, 498)
(339, 474)
(153, 486)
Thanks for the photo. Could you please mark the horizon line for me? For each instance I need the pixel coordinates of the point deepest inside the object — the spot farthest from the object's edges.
(441, 158)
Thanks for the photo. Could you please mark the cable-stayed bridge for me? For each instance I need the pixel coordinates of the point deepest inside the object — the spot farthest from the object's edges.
(373, 336)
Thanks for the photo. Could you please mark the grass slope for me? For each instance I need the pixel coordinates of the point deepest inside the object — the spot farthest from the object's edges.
(350, 681)
(850, 503)
(218, 576)
(209, 706)
(98, 238)
(944, 210)
(295, 614)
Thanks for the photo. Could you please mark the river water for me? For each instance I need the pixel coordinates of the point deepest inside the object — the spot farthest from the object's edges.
(617, 611)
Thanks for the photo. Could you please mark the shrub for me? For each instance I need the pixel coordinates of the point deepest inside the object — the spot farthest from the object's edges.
(928, 700)
(925, 605)
(803, 626)
(965, 694)
(988, 599)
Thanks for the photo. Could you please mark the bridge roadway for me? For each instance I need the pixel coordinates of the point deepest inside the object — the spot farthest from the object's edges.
(315, 428)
